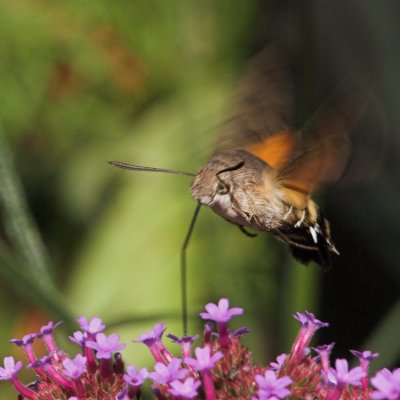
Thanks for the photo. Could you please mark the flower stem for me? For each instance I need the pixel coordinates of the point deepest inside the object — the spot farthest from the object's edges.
(106, 368)
(60, 379)
(164, 353)
(133, 392)
(91, 361)
(156, 354)
(334, 393)
(28, 393)
(208, 383)
(223, 334)
(79, 389)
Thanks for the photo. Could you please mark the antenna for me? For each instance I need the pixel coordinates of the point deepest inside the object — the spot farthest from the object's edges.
(140, 168)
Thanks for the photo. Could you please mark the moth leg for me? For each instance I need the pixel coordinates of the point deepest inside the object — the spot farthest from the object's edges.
(286, 239)
(301, 220)
(285, 217)
(247, 233)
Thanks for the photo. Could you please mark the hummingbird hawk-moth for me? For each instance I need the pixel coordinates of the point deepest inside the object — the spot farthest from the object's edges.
(264, 172)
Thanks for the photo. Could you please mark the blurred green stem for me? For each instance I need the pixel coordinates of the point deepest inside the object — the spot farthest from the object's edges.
(300, 293)
(19, 222)
(385, 339)
(46, 296)
(32, 277)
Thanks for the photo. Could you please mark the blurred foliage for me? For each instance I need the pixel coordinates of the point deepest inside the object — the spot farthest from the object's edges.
(148, 82)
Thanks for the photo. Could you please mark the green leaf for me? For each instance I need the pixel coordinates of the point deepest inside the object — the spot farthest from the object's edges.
(19, 222)
(39, 292)
(385, 339)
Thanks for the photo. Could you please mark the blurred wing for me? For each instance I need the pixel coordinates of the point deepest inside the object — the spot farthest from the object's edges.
(328, 148)
(262, 118)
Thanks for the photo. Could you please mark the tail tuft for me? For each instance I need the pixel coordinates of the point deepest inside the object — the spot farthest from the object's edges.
(311, 242)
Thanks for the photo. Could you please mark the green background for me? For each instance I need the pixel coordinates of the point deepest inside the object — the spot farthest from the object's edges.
(148, 82)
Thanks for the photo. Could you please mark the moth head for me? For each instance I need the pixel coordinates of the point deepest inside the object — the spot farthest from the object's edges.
(222, 175)
(208, 184)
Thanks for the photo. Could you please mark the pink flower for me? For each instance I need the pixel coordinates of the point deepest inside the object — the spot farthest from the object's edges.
(105, 346)
(220, 312)
(342, 376)
(269, 385)
(387, 384)
(204, 360)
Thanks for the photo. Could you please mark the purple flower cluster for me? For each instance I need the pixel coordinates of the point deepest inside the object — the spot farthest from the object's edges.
(220, 368)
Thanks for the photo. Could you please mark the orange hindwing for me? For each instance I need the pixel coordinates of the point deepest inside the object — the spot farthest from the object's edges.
(275, 150)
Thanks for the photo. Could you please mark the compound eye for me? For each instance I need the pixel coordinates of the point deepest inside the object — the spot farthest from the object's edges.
(222, 188)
